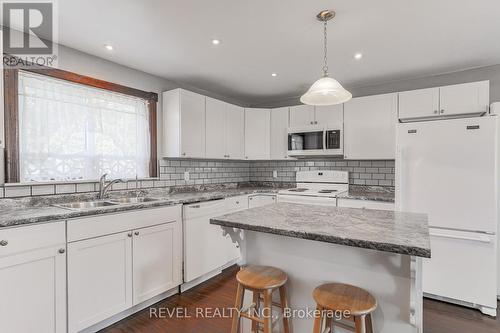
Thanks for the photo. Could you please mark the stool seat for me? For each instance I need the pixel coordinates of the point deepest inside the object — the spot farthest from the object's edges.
(339, 296)
(261, 277)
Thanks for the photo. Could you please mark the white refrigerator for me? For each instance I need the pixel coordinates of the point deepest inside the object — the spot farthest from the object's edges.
(448, 169)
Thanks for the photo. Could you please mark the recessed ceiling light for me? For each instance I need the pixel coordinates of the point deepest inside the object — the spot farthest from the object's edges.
(358, 56)
(274, 74)
(215, 41)
(108, 47)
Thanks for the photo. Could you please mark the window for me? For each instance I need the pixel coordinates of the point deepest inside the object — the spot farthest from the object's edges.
(71, 131)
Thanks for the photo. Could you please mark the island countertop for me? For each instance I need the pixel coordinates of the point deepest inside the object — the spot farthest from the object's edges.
(388, 231)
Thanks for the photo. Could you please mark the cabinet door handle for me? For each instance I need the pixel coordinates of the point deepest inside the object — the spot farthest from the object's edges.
(312, 122)
(61, 251)
(194, 206)
(183, 154)
(129, 234)
(442, 110)
(4, 242)
(237, 202)
(136, 233)
(315, 122)
(435, 111)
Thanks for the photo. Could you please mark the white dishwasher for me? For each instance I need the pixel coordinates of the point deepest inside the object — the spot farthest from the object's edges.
(204, 245)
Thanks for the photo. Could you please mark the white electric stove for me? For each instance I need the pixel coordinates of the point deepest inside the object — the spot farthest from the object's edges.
(319, 187)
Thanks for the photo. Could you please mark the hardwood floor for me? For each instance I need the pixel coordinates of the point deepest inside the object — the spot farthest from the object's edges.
(219, 293)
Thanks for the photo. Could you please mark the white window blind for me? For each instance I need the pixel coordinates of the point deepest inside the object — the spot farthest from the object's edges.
(69, 131)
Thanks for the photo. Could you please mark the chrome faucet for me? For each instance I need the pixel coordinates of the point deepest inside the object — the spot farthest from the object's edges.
(104, 188)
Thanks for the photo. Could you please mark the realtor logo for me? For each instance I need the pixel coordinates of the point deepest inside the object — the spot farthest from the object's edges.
(29, 32)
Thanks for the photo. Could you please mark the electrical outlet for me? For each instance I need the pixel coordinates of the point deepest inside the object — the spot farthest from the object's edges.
(186, 175)
(275, 174)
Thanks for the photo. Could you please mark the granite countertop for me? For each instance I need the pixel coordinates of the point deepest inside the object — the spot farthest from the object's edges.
(375, 193)
(35, 210)
(388, 231)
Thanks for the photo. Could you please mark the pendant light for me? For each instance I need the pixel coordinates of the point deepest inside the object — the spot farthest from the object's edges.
(326, 90)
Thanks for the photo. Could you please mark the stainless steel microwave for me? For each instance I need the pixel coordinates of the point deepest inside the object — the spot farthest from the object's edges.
(315, 140)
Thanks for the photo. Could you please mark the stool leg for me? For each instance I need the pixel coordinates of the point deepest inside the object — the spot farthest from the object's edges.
(318, 320)
(329, 323)
(267, 311)
(238, 305)
(369, 324)
(256, 298)
(284, 305)
(360, 324)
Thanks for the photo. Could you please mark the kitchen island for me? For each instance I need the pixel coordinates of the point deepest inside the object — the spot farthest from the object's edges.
(380, 251)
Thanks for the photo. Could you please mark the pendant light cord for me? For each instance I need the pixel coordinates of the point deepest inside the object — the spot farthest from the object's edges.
(325, 66)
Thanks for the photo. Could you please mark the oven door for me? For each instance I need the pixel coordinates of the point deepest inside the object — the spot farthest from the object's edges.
(308, 200)
(307, 141)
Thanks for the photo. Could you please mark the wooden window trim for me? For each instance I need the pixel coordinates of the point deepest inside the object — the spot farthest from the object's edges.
(11, 111)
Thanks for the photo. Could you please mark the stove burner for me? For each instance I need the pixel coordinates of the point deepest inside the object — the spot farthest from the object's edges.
(327, 191)
(298, 189)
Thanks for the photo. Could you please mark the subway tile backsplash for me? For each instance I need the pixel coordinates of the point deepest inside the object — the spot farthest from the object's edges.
(204, 172)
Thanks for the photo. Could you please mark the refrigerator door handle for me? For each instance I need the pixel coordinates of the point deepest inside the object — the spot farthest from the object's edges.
(481, 238)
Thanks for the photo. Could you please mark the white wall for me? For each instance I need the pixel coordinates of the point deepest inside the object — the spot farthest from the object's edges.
(85, 64)
(491, 73)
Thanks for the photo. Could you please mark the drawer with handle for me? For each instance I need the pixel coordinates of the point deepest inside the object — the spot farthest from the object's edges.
(234, 204)
(31, 237)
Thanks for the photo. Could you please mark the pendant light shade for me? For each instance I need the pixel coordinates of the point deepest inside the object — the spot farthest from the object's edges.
(326, 90)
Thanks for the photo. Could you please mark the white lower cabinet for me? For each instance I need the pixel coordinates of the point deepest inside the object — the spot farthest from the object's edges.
(33, 279)
(365, 204)
(99, 279)
(257, 200)
(156, 252)
(128, 259)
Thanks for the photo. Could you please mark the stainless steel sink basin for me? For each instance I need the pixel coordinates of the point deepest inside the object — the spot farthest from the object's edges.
(86, 204)
(133, 200)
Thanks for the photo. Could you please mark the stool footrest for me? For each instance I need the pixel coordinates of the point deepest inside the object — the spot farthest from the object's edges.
(254, 318)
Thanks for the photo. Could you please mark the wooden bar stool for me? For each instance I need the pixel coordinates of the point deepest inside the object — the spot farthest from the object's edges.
(342, 298)
(262, 281)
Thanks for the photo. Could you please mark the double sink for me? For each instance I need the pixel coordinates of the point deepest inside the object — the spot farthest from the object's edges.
(105, 203)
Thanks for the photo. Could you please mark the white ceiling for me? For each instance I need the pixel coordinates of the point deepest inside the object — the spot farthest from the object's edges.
(172, 39)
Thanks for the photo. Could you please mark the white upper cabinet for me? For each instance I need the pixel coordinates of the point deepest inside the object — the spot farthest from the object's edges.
(301, 115)
(279, 135)
(257, 134)
(184, 123)
(329, 115)
(369, 127)
(305, 115)
(448, 101)
(215, 128)
(235, 132)
(225, 130)
(421, 103)
(467, 98)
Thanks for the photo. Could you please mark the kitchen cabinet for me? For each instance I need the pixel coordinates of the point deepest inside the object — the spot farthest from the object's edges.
(365, 204)
(33, 279)
(184, 124)
(215, 128)
(421, 103)
(279, 134)
(156, 250)
(447, 101)
(466, 98)
(306, 115)
(329, 115)
(99, 279)
(301, 115)
(116, 261)
(235, 132)
(370, 127)
(258, 200)
(225, 130)
(257, 134)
